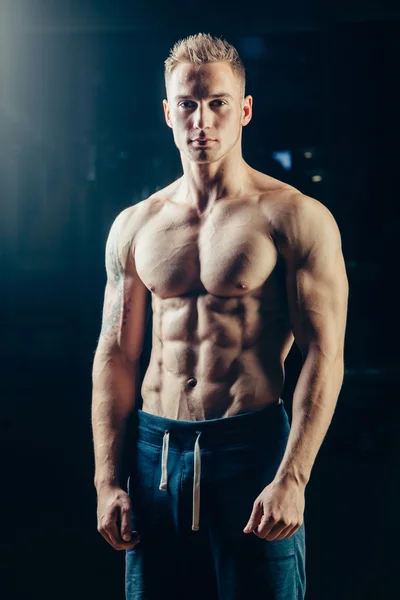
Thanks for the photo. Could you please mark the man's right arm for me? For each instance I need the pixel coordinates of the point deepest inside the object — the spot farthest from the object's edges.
(115, 373)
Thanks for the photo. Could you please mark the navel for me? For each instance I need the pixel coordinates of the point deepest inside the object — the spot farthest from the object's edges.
(192, 382)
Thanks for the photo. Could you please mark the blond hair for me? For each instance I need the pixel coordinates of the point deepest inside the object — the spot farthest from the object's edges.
(204, 48)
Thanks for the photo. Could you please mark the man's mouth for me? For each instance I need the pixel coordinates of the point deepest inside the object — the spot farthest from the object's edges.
(203, 142)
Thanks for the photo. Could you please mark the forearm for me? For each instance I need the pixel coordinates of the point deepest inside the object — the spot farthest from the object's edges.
(314, 403)
(113, 399)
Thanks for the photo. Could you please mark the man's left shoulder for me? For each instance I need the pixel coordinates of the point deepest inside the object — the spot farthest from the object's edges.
(293, 214)
(288, 202)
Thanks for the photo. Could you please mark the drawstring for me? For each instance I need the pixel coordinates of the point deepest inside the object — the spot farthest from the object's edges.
(164, 462)
(196, 484)
(196, 477)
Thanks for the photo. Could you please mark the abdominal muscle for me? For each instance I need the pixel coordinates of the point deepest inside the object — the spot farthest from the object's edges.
(209, 359)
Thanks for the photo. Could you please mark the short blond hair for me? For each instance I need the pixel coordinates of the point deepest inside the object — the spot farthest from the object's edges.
(204, 48)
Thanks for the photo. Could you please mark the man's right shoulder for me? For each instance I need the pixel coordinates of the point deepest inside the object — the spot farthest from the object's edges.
(129, 222)
(138, 214)
(135, 216)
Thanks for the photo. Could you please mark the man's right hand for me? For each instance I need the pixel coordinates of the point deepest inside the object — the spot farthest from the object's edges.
(113, 508)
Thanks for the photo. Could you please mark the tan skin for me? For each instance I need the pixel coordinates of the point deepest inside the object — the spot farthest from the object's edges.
(238, 265)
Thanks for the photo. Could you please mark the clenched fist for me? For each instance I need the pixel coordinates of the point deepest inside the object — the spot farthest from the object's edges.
(113, 510)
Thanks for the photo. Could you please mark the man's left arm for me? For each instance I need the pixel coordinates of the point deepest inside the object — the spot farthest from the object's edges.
(317, 291)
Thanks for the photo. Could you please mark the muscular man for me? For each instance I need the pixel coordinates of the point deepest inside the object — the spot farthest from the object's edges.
(239, 265)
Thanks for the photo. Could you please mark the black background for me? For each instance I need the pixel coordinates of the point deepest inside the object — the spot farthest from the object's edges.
(82, 137)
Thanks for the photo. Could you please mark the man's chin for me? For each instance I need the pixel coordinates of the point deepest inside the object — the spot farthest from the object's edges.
(203, 156)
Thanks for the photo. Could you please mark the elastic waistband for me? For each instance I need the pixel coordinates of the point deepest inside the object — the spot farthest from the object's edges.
(227, 431)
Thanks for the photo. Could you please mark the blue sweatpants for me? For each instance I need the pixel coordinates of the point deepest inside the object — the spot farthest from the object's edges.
(192, 487)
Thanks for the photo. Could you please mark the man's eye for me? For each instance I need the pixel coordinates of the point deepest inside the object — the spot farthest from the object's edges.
(189, 103)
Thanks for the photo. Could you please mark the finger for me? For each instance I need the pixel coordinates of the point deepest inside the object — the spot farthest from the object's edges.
(254, 519)
(105, 536)
(288, 532)
(277, 531)
(104, 531)
(265, 526)
(112, 531)
(111, 535)
(126, 526)
(284, 533)
(135, 539)
(120, 517)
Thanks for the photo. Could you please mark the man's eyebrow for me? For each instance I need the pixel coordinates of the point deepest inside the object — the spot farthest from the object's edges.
(224, 94)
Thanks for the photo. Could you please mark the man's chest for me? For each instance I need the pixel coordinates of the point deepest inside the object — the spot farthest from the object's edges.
(228, 253)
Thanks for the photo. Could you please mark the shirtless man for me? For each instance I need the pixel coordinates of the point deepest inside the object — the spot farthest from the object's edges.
(239, 265)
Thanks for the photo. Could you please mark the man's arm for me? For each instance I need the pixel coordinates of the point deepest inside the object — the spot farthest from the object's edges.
(115, 373)
(317, 289)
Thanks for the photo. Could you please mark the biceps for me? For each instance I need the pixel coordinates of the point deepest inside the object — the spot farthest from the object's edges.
(317, 298)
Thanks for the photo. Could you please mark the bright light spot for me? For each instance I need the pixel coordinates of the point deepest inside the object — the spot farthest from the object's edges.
(308, 154)
(316, 178)
(284, 157)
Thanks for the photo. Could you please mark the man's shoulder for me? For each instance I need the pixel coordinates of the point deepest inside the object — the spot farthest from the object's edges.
(299, 221)
(129, 221)
(288, 207)
(135, 216)
(153, 203)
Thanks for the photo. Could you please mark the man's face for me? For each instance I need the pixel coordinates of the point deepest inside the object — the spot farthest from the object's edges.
(205, 102)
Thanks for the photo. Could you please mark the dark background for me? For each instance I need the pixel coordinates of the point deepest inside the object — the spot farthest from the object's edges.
(82, 137)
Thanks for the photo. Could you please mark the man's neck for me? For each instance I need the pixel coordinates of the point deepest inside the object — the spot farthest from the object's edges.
(204, 184)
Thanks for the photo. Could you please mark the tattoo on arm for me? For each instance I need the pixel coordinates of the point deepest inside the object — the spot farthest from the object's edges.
(115, 272)
(111, 318)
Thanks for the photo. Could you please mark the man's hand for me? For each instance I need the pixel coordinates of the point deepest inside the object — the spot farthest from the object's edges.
(113, 506)
(277, 512)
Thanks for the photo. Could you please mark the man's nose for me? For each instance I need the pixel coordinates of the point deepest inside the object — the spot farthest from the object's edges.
(202, 118)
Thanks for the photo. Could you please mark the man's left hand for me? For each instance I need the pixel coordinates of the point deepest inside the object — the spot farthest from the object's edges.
(277, 512)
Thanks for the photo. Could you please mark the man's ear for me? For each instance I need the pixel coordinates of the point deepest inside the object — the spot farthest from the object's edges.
(167, 113)
(247, 111)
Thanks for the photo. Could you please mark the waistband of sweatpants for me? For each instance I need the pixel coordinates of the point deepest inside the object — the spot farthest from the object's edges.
(244, 428)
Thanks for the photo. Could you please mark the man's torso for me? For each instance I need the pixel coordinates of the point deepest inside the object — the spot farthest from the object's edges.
(221, 328)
